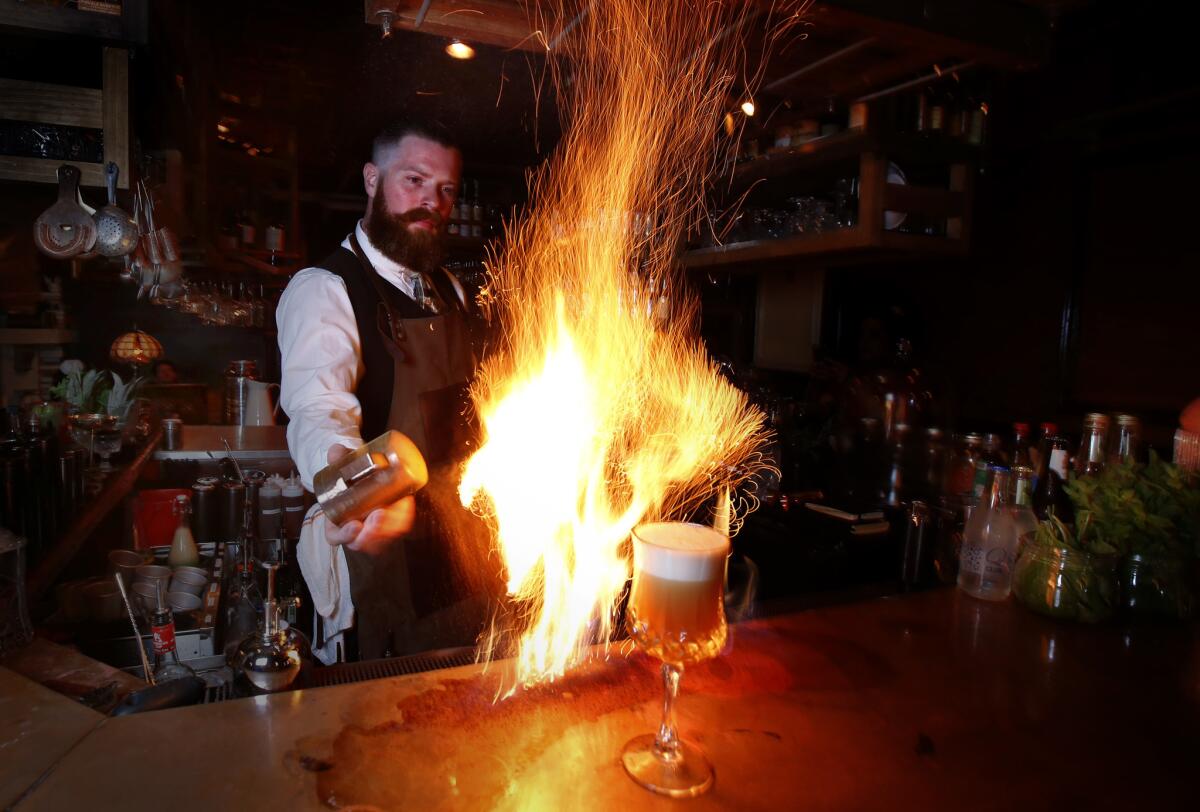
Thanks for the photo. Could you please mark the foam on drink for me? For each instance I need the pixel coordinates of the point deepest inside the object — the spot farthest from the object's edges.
(675, 551)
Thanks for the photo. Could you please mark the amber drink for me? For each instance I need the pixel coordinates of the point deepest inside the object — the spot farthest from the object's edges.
(676, 609)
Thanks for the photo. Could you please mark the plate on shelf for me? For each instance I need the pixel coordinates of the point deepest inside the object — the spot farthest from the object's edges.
(892, 220)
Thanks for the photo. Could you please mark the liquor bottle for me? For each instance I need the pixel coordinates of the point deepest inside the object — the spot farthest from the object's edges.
(1129, 440)
(167, 665)
(476, 215)
(921, 118)
(1024, 519)
(937, 114)
(960, 472)
(989, 545)
(183, 545)
(1049, 498)
(1042, 451)
(1091, 458)
(1021, 455)
(458, 213)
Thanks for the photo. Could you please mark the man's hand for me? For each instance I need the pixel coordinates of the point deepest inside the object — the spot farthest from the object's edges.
(381, 527)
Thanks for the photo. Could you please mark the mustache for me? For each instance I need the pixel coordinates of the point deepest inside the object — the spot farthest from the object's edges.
(417, 215)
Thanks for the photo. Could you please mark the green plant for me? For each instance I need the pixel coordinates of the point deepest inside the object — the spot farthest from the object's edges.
(121, 396)
(1151, 509)
(78, 388)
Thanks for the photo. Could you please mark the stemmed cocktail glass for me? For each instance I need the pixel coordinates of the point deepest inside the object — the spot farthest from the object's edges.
(676, 614)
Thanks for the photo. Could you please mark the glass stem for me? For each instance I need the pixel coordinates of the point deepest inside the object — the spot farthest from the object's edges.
(667, 741)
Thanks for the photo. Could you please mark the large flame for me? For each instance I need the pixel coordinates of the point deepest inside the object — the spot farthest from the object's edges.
(601, 408)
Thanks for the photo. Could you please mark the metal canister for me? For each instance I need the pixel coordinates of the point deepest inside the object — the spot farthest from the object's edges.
(11, 512)
(68, 482)
(254, 482)
(233, 508)
(205, 510)
(172, 437)
(237, 390)
(372, 476)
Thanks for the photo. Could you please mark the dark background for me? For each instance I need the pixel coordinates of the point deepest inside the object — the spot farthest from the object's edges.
(1080, 291)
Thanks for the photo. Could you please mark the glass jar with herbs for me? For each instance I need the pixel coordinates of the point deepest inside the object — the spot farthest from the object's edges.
(1138, 524)
(1061, 575)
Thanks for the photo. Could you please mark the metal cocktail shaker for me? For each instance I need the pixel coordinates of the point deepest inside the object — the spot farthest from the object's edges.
(388, 468)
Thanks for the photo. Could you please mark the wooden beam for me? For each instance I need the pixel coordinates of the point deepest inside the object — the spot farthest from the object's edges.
(50, 104)
(116, 112)
(59, 19)
(998, 33)
(45, 170)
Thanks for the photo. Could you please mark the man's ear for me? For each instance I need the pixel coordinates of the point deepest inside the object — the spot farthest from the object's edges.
(370, 178)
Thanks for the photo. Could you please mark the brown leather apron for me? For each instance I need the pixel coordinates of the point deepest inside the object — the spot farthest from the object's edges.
(425, 591)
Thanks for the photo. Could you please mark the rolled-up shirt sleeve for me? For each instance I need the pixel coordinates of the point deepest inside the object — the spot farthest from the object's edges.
(319, 346)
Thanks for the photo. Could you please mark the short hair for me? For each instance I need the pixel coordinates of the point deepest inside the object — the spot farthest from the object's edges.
(392, 134)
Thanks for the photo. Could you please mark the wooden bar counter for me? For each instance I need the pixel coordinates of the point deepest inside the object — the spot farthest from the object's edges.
(929, 701)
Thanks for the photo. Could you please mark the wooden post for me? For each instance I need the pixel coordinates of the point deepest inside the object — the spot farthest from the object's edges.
(115, 111)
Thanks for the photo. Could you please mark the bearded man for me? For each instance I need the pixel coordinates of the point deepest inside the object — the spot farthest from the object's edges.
(375, 338)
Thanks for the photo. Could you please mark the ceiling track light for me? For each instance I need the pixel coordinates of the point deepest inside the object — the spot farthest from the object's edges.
(459, 49)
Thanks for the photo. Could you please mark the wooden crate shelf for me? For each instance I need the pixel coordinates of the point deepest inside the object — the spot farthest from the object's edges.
(106, 109)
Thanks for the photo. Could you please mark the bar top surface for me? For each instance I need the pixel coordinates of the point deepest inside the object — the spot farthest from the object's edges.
(928, 701)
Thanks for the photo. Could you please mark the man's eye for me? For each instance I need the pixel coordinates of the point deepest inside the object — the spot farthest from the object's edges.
(448, 191)
(413, 180)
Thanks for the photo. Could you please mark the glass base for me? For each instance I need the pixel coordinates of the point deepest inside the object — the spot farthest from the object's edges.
(684, 775)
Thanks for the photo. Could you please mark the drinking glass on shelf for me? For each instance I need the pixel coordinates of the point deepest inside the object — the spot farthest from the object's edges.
(676, 614)
(107, 443)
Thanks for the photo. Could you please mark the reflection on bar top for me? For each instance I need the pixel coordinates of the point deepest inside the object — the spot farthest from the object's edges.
(247, 442)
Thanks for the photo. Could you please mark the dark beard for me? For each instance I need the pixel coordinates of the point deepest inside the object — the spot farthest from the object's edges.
(417, 250)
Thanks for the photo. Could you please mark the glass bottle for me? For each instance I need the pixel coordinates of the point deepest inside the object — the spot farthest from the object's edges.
(1129, 440)
(184, 552)
(167, 665)
(476, 214)
(1090, 459)
(960, 473)
(1049, 497)
(1021, 453)
(1024, 518)
(989, 457)
(989, 544)
(1046, 433)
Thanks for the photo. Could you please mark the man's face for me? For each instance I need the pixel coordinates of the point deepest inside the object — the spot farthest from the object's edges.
(409, 197)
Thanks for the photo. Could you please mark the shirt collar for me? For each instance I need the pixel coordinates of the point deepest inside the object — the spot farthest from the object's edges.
(383, 265)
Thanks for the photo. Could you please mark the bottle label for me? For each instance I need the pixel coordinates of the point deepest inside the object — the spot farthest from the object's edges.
(1058, 462)
(1022, 492)
(982, 475)
(164, 638)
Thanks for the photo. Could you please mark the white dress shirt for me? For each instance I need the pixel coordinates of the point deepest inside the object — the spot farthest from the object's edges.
(321, 368)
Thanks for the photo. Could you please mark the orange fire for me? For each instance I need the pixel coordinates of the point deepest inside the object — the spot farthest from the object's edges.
(601, 408)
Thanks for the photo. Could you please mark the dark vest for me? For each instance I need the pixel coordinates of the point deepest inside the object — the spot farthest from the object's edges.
(424, 591)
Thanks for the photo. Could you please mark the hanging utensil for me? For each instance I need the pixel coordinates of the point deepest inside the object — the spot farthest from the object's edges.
(150, 235)
(116, 232)
(65, 229)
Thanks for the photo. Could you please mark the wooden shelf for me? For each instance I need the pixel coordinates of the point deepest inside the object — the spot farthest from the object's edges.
(36, 335)
(106, 110)
(847, 145)
(867, 154)
(843, 244)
